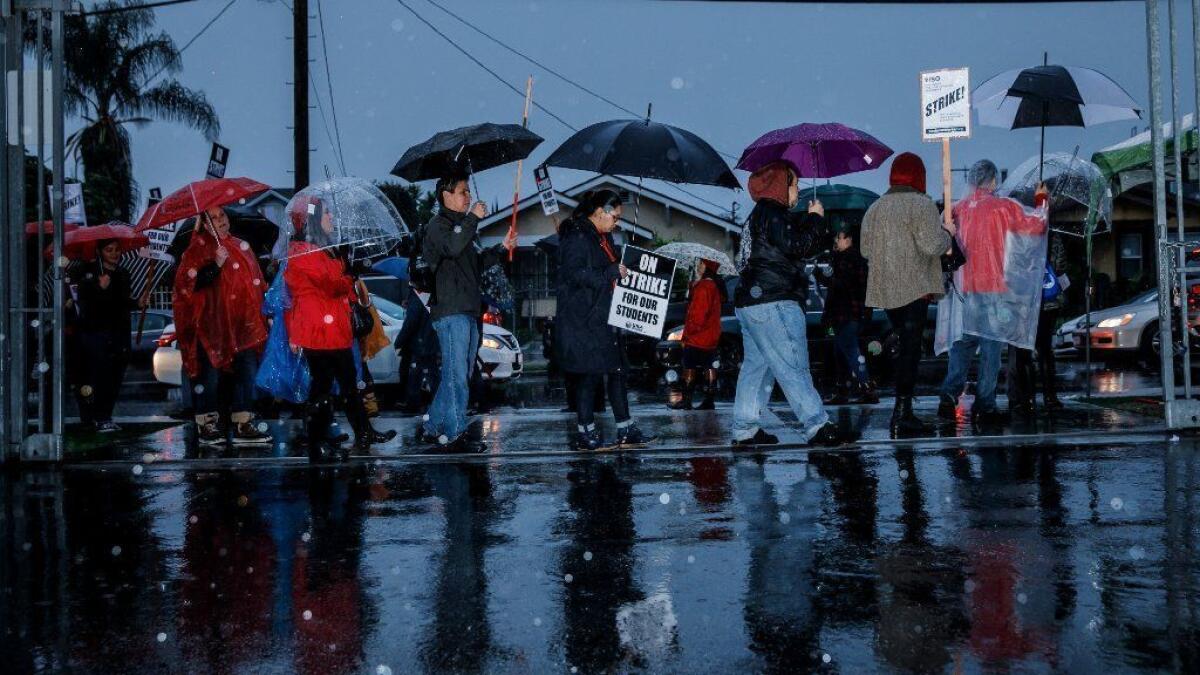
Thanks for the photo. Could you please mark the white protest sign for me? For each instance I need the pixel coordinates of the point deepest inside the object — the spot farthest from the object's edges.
(160, 241)
(72, 203)
(945, 104)
(545, 190)
(640, 300)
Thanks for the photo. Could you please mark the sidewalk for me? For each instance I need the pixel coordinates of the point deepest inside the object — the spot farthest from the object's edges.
(544, 432)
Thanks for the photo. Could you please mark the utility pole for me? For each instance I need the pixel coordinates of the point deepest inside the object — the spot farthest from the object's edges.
(300, 91)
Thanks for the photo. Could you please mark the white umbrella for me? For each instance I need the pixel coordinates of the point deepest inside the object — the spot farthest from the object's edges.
(687, 253)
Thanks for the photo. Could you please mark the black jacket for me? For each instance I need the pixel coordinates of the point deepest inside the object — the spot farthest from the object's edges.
(780, 241)
(847, 284)
(451, 249)
(417, 339)
(105, 310)
(583, 340)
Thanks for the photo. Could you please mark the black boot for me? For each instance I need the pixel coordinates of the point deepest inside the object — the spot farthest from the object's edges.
(710, 392)
(903, 419)
(864, 392)
(317, 418)
(841, 396)
(685, 393)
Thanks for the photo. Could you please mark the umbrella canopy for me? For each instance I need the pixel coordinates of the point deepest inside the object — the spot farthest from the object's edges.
(816, 150)
(47, 227)
(1052, 96)
(81, 244)
(1136, 152)
(688, 254)
(354, 214)
(644, 149)
(841, 197)
(1072, 181)
(196, 198)
(244, 224)
(393, 266)
(466, 150)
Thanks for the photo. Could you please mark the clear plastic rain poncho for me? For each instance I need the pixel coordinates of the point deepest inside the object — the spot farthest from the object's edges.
(1080, 195)
(345, 212)
(997, 294)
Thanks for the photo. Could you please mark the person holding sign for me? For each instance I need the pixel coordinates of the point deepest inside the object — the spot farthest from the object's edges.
(587, 346)
(903, 238)
(767, 303)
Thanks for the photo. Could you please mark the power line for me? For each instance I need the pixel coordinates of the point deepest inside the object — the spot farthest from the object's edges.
(481, 64)
(329, 83)
(134, 8)
(195, 37)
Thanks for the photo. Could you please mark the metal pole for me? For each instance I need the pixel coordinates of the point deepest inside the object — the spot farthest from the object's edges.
(1166, 349)
(1179, 133)
(16, 321)
(41, 218)
(300, 91)
(7, 227)
(56, 207)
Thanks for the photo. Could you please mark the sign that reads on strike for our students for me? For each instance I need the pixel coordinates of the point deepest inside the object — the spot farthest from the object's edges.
(640, 299)
(945, 104)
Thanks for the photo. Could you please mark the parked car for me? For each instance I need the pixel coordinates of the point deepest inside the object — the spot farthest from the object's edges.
(1129, 330)
(152, 329)
(499, 358)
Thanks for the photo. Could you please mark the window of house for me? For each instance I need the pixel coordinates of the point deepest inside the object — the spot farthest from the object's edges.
(1129, 255)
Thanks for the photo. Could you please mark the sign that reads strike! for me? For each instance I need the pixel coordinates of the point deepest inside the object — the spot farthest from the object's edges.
(640, 299)
(945, 104)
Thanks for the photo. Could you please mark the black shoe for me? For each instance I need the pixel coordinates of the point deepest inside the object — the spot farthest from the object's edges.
(864, 393)
(1052, 403)
(210, 434)
(246, 433)
(1025, 410)
(585, 441)
(707, 404)
(989, 418)
(684, 403)
(828, 436)
(839, 397)
(376, 437)
(947, 408)
(760, 437)
(904, 422)
(633, 437)
(324, 452)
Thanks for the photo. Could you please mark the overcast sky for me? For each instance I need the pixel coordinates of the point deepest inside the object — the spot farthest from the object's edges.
(726, 71)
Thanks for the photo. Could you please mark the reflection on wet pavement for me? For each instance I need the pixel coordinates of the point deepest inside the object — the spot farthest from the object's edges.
(930, 558)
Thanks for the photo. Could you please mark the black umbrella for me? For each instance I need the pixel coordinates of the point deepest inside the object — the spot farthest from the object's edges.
(644, 149)
(1052, 96)
(466, 150)
(244, 223)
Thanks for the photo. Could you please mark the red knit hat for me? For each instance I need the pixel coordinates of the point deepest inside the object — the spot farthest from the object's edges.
(908, 170)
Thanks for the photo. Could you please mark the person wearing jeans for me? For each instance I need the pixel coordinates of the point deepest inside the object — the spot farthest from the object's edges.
(903, 238)
(767, 304)
(959, 363)
(457, 262)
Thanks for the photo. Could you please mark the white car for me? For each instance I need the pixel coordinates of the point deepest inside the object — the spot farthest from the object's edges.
(500, 357)
(1128, 329)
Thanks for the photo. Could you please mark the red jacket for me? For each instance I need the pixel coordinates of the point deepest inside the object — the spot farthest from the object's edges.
(702, 329)
(321, 293)
(984, 223)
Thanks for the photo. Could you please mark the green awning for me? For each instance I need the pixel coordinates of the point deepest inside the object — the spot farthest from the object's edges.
(1136, 152)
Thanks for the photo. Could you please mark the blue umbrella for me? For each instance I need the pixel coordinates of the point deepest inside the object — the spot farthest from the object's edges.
(393, 266)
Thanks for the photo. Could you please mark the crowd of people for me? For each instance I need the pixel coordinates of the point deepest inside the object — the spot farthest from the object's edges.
(904, 256)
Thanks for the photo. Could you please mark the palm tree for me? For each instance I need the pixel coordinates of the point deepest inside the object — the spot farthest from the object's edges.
(112, 71)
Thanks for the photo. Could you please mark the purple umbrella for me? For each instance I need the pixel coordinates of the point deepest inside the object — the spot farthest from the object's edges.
(816, 150)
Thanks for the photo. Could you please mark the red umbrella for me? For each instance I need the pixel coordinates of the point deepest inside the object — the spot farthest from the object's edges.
(81, 244)
(47, 227)
(196, 198)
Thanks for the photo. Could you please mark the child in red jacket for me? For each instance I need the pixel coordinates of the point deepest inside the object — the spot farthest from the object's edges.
(702, 334)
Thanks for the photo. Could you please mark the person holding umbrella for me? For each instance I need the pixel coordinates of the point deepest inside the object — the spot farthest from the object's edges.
(218, 298)
(903, 239)
(104, 327)
(767, 304)
(588, 270)
(702, 334)
(450, 247)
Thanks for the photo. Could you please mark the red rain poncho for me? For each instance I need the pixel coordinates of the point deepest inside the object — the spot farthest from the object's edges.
(321, 292)
(224, 318)
(984, 223)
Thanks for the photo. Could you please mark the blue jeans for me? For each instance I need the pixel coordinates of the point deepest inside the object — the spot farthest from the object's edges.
(239, 379)
(458, 336)
(961, 353)
(845, 342)
(774, 340)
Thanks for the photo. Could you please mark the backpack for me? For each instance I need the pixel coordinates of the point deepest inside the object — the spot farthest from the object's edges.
(1051, 288)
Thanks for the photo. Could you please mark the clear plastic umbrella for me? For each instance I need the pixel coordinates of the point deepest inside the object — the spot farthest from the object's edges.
(687, 253)
(1074, 184)
(345, 212)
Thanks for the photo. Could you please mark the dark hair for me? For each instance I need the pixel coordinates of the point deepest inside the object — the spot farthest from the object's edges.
(102, 243)
(608, 200)
(446, 184)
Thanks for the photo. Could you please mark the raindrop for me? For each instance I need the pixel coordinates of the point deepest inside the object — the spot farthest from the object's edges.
(1174, 439)
(826, 658)
(691, 559)
(395, 569)
(243, 500)
(26, 546)
(672, 155)
(672, 376)
(193, 520)
(904, 474)
(874, 348)
(587, 555)
(199, 389)
(1137, 552)
(1116, 503)
(382, 669)
(755, 291)
(245, 246)
(862, 359)
(257, 282)
(116, 551)
(588, 148)
(192, 273)
(262, 427)
(35, 323)
(425, 417)
(969, 585)
(307, 615)
(716, 365)
(305, 537)
(664, 498)
(361, 385)
(328, 318)
(677, 83)
(443, 439)
(237, 266)
(458, 229)
(785, 517)
(63, 261)
(568, 578)
(1022, 598)
(137, 469)
(162, 637)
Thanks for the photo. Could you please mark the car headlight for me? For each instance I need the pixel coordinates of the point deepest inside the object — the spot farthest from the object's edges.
(491, 343)
(675, 335)
(1116, 321)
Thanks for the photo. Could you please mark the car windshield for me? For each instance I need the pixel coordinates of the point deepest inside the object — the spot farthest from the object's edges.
(388, 307)
(1148, 296)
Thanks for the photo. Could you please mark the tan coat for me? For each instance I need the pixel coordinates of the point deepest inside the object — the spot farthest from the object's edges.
(903, 239)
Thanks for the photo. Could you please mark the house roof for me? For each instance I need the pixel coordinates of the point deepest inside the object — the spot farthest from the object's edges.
(282, 194)
(604, 179)
(535, 199)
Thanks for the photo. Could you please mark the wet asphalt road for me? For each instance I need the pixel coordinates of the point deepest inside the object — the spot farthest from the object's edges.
(980, 556)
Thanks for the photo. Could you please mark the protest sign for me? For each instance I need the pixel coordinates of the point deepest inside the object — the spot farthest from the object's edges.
(640, 299)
